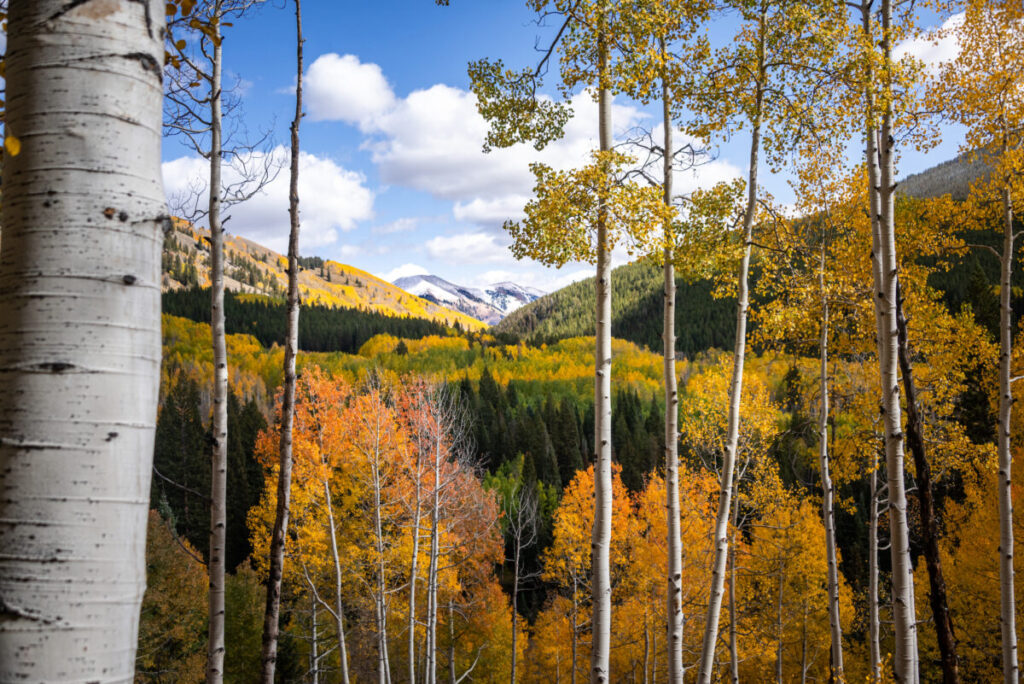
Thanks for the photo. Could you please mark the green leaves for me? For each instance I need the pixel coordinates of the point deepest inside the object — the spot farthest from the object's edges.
(509, 101)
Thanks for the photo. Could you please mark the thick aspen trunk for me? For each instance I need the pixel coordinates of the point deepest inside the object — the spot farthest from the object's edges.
(735, 394)
(339, 608)
(219, 446)
(1007, 616)
(674, 578)
(83, 221)
(929, 525)
(602, 531)
(827, 506)
(284, 481)
(881, 171)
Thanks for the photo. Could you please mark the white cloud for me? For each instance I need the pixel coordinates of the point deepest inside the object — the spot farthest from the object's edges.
(935, 48)
(349, 251)
(432, 141)
(331, 198)
(467, 248)
(556, 281)
(341, 88)
(491, 212)
(404, 271)
(401, 225)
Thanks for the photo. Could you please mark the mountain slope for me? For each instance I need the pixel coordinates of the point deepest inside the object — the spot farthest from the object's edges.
(701, 321)
(254, 269)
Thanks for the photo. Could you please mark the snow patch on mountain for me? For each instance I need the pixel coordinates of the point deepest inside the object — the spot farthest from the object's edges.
(489, 304)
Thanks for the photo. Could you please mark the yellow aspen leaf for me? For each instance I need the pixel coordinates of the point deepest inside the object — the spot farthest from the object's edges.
(12, 145)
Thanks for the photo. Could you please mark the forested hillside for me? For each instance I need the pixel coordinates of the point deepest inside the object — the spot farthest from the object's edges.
(254, 269)
(703, 321)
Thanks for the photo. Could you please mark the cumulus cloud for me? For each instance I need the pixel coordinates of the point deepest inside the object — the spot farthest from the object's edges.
(332, 198)
(402, 225)
(432, 141)
(933, 49)
(467, 248)
(341, 88)
(493, 211)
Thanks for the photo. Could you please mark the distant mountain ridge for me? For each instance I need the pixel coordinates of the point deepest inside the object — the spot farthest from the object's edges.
(489, 304)
(251, 268)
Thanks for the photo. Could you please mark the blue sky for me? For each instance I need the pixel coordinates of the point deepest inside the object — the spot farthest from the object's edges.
(393, 179)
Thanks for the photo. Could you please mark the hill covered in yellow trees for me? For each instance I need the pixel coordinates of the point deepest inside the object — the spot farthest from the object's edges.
(251, 268)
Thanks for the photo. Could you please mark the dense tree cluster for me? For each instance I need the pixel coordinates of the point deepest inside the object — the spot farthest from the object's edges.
(321, 328)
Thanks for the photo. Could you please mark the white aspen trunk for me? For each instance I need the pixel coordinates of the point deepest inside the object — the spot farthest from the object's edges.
(873, 626)
(413, 579)
(284, 481)
(674, 578)
(380, 599)
(904, 617)
(219, 451)
(431, 650)
(1007, 616)
(339, 608)
(827, 506)
(874, 209)
(880, 191)
(735, 390)
(83, 220)
(602, 532)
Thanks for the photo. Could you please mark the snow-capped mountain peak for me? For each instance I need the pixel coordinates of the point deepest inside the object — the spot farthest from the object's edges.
(489, 304)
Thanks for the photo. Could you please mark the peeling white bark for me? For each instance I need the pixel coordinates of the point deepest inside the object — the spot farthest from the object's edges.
(83, 217)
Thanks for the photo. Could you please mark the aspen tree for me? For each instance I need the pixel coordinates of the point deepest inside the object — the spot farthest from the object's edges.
(576, 216)
(271, 616)
(802, 274)
(761, 81)
(661, 30)
(983, 89)
(84, 217)
(194, 111)
(880, 76)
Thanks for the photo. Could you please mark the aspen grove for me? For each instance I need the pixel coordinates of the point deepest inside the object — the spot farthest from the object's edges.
(770, 438)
